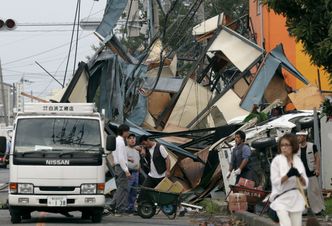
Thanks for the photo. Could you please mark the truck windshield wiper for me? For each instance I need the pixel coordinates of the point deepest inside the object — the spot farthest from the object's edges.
(71, 153)
(40, 151)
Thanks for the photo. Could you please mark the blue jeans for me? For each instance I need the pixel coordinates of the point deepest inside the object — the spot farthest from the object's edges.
(133, 184)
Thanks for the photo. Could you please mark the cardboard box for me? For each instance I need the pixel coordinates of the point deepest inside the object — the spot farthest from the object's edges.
(164, 185)
(176, 187)
(246, 183)
(237, 197)
(237, 206)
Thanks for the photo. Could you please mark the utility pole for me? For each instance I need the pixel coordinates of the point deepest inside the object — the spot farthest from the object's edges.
(4, 104)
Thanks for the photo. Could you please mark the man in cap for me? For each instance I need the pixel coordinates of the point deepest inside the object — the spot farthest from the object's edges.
(133, 166)
(310, 157)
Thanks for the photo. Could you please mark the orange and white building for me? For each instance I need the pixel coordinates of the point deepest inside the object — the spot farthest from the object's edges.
(270, 30)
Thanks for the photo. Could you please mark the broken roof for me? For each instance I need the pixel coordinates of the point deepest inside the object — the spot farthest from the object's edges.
(242, 52)
(208, 25)
(273, 62)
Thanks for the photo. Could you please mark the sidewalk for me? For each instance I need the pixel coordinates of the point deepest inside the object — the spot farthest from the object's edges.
(252, 219)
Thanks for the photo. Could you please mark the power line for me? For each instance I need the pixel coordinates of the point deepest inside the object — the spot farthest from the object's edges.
(48, 30)
(48, 59)
(41, 53)
(77, 32)
(71, 41)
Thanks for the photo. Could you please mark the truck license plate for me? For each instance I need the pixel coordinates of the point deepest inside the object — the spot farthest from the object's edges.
(56, 201)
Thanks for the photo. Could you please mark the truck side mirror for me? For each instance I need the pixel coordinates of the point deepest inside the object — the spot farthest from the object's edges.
(110, 143)
(3, 144)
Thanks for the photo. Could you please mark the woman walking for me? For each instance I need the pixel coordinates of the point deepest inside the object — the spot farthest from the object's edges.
(286, 169)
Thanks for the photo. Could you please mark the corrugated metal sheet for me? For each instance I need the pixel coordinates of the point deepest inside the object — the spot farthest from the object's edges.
(261, 81)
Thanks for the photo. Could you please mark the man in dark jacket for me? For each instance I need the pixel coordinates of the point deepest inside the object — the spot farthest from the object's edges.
(240, 158)
(159, 162)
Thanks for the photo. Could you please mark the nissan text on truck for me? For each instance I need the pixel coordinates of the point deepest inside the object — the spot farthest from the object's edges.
(57, 161)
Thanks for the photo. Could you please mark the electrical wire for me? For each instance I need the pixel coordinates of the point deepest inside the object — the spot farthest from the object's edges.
(77, 32)
(41, 53)
(71, 43)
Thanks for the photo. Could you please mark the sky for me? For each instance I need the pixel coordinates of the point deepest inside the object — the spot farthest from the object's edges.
(48, 45)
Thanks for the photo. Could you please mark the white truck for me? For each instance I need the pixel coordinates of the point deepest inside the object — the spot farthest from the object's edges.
(57, 161)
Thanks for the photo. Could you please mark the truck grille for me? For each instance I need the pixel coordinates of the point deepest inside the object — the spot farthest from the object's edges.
(49, 188)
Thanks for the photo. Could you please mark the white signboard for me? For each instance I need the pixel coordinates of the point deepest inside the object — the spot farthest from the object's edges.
(326, 140)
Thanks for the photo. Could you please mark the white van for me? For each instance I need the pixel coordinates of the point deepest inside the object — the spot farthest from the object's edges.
(57, 161)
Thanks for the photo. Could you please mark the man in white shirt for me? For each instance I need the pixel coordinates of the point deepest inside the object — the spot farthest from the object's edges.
(121, 170)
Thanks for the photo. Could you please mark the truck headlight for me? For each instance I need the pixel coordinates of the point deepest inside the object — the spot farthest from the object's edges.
(88, 189)
(25, 188)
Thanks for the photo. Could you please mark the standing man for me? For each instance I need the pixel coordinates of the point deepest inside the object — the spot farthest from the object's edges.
(159, 162)
(133, 166)
(121, 170)
(310, 157)
(240, 158)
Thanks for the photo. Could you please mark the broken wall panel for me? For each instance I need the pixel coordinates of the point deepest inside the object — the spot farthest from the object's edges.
(307, 98)
(77, 89)
(157, 102)
(193, 171)
(208, 25)
(239, 50)
(277, 89)
(193, 99)
(229, 105)
(241, 87)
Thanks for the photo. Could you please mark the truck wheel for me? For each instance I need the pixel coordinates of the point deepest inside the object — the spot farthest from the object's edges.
(85, 215)
(15, 219)
(26, 216)
(264, 143)
(97, 216)
(146, 210)
(15, 215)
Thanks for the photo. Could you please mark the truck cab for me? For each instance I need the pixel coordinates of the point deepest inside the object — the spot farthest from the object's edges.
(57, 161)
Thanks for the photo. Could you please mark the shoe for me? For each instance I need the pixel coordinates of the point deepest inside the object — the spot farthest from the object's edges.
(107, 211)
(118, 215)
(321, 213)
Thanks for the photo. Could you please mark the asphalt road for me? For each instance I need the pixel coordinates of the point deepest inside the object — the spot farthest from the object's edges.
(42, 218)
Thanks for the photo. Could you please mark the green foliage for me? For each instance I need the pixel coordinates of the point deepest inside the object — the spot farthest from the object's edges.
(209, 206)
(327, 107)
(328, 205)
(311, 24)
(232, 8)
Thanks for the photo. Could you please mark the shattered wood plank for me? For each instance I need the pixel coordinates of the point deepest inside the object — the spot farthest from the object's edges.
(276, 89)
(307, 98)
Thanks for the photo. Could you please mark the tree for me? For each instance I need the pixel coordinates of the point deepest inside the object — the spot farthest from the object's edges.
(310, 23)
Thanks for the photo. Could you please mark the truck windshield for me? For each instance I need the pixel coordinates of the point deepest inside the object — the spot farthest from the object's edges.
(57, 134)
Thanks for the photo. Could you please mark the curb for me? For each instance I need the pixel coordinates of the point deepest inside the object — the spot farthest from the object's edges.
(253, 219)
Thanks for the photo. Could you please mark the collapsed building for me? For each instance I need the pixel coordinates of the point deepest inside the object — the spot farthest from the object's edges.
(191, 113)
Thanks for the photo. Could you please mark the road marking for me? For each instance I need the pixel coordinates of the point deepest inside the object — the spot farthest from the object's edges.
(41, 215)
